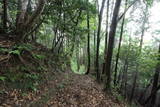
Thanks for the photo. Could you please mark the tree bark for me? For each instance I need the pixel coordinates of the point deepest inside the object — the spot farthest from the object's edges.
(139, 53)
(22, 9)
(119, 46)
(22, 25)
(155, 82)
(106, 36)
(37, 12)
(111, 43)
(152, 95)
(125, 68)
(88, 37)
(98, 40)
(5, 14)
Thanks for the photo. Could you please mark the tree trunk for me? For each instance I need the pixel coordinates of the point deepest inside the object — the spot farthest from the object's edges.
(140, 100)
(106, 36)
(155, 82)
(94, 63)
(111, 42)
(119, 46)
(98, 41)
(139, 53)
(152, 95)
(24, 25)
(77, 55)
(22, 9)
(88, 43)
(5, 14)
(134, 85)
(125, 69)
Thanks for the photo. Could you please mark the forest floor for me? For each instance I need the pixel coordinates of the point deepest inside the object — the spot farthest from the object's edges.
(74, 90)
(62, 90)
(81, 91)
(51, 89)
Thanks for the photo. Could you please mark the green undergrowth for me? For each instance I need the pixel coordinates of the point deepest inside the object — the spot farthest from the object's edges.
(22, 81)
(26, 65)
(74, 67)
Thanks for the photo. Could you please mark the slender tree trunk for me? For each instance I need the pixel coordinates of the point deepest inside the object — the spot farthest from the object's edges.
(123, 75)
(88, 43)
(94, 48)
(111, 43)
(125, 69)
(74, 34)
(54, 39)
(139, 53)
(106, 36)
(120, 75)
(144, 92)
(61, 45)
(94, 63)
(98, 40)
(134, 85)
(152, 95)
(77, 55)
(155, 81)
(119, 46)
(5, 14)
(126, 78)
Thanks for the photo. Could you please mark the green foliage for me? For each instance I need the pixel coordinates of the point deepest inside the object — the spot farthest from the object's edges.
(22, 81)
(117, 95)
(75, 69)
(2, 78)
(149, 2)
(38, 57)
(32, 81)
(17, 49)
(146, 60)
(23, 68)
(41, 68)
(22, 47)
(15, 52)
(4, 50)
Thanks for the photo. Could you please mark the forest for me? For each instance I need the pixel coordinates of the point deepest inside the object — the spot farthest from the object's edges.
(79, 53)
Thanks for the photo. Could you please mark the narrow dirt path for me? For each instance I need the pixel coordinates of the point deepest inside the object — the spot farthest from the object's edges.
(62, 90)
(80, 91)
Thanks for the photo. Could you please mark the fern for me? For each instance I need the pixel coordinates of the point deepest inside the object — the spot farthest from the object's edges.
(15, 52)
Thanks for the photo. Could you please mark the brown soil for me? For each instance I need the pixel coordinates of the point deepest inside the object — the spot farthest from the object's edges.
(65, 90)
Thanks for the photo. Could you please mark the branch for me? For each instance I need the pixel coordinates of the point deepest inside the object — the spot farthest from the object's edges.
(127, 10)
(37, 12)
(36, 27)
(22, 8)
(39, 24)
